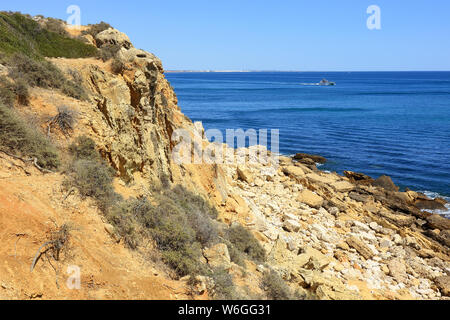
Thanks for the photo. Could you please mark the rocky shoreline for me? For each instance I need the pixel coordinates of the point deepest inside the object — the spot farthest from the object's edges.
(343, 237)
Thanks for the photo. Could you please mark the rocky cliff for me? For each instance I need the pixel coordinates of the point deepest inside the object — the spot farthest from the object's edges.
(325, 235)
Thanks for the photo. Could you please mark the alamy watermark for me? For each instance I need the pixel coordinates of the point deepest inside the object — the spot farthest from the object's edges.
(374, 20)
(74, 280)
(74, 20)
(238, 146)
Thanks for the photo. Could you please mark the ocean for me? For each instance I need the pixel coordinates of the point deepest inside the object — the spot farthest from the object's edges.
(393, 123)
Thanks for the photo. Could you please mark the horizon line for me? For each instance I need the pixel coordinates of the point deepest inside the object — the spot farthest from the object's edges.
(249, 71)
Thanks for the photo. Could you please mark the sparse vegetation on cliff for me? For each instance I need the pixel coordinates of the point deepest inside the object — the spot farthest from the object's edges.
(83, 148)
(19, 138)
(64, 119)
(224, 287)
(95, 29)
(7, 95)
(43, 74)
(179, 222)
(244, 241)
(276, 288)
(90, 175)
(21, 34)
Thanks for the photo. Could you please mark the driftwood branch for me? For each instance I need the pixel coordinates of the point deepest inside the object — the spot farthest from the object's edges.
(38, 255)
(54, 246)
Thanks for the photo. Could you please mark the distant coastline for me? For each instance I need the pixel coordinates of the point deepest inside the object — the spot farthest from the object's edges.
(224, 71)
(295, 71)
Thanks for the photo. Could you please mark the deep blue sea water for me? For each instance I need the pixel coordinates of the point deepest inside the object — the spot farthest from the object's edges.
(394, 123)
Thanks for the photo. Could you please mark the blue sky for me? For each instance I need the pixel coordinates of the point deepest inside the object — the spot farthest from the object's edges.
(325, 35)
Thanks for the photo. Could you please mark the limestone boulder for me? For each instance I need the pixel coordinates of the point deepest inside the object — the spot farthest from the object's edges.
(438, 222)
(321, 179)
(359, 197)
(245, 175)
(342, 186)
(310, 198)
(360, 246)
(293, 172)
(359, 178)
(443, 283)
(399, 220)
(292, 225)
(114, 37)
(141, 59)
(218, 256)
(386, 183)
(397, 270)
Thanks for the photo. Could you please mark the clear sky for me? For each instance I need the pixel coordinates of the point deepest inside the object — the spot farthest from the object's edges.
(304, 35)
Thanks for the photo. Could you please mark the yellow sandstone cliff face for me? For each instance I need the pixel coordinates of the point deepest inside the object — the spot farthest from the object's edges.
(131, 116)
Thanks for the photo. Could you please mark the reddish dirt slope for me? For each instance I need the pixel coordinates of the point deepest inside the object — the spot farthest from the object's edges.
(30, 208)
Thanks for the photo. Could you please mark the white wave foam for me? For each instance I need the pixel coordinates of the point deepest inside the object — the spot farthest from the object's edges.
(434, 195)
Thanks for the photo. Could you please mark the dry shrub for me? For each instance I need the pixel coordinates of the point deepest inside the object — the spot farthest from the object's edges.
(108, 52)
(59, 241)
(93, 179)
(223, 286)
(277, 289)
(21, 89)
(56, 26)
(18, 137)
(7, 96)
(65, 119)
(95, 29)
(84, 147)
(117, 66)
(244, 241)
(43, 74)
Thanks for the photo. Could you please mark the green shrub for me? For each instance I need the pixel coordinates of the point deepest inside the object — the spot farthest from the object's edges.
(121, 216)
(83, 148)
(56, 26)
(21, 34)
(169, 227)
(7, 95)
(179, 223)
(21, 91)
(93, 179)
(224, 287)
(185, 261)
(44, 74)
(236, 256)
(18, 138)
(205, 231)
(245, 242)
(189, 201)
(275, 287)
(108, 52)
